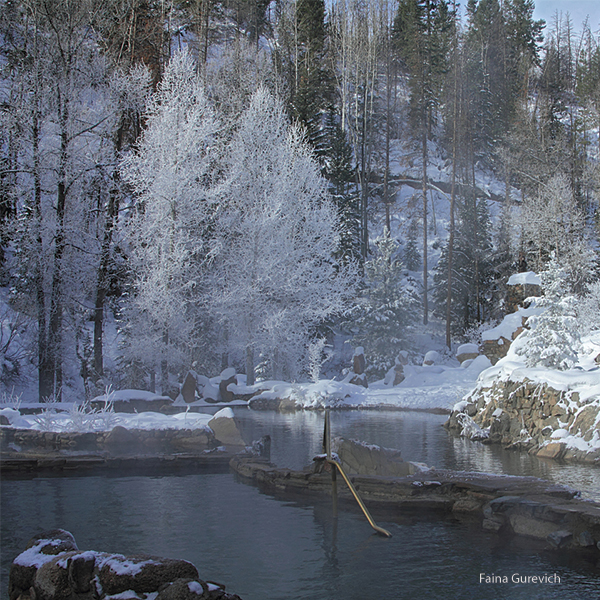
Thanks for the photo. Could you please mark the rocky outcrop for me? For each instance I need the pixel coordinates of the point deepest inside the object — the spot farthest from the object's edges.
(53, 568)
(531, 416)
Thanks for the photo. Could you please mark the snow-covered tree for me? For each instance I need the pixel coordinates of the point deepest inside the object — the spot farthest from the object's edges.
(588, 309)
(552, 338)
(171, 174)
(551, 221)
(57, 123)
(388, 308)
(276, 279)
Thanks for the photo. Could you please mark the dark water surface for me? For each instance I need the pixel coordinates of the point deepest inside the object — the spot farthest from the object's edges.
(266, 548)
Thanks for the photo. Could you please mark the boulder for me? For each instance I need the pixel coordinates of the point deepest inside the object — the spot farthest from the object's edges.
(194, 589)
(120, 437)
(467, 352)
(358, 361)
(359, 380)
(367, 459)
(51, 580)
(142, 573)
(227, 377)
(431, 358)
(188, 389)
(225, 428)
(39, 550)
(51, 568)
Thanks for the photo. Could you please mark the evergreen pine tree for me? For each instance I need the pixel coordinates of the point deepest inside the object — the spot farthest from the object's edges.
(412, 257)
(472, 267)
(388, 308)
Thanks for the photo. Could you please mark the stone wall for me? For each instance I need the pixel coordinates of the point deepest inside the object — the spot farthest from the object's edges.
(534, 417)
(517, 294)
(118, 440)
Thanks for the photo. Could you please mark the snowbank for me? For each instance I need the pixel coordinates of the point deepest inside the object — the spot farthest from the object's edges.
(55, 421)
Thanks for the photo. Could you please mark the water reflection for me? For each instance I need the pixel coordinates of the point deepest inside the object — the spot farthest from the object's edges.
(262, 547)
(297, 437)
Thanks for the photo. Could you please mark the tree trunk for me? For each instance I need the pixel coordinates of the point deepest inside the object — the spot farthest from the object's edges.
(249, 365)
(425, 300)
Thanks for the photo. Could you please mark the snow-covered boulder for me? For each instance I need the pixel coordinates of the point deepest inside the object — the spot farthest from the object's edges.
(225, 428)
(520, 287)
(467, 352)
(52, 567)
(431, 358)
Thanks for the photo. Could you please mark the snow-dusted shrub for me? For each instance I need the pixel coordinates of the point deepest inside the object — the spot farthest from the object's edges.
(552, 339)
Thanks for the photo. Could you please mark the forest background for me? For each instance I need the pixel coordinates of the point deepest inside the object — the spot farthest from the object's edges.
(201, 184)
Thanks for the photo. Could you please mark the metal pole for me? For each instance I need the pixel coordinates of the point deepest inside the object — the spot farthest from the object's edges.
(367, 514)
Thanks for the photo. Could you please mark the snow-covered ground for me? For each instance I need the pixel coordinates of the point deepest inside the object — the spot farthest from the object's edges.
(435, 387)
(59, 418)
(432, 387)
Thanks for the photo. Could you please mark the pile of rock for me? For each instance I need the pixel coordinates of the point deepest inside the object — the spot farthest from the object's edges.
(53, 568)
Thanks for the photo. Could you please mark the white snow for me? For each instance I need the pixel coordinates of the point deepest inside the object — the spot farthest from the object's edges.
(529, 278)
(224, 413)
(53, 420)
(121, 565)
(195, 588)
(127, 396)
(467, 349)
(32, 557)
(510, 324)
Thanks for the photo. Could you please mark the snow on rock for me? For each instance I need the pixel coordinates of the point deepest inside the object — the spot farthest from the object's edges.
(224, 413)
(431, 358)
(53, 567)
(467, 349)
(228, 373)
(528, 278)
(555, 414)
(510, 324)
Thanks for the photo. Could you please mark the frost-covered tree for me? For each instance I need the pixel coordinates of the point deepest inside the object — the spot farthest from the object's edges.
(171, 174)
(552, 338)
(388, 308)
(551, 221)
(275, 277)
(57, 121)
(588, 309)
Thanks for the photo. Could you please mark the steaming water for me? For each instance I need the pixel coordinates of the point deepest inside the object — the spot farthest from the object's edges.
(268, 548)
